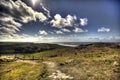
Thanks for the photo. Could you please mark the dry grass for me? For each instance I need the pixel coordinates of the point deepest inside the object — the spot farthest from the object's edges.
(22, 71)
(91, 63)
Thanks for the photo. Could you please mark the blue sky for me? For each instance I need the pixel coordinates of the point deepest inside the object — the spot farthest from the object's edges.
(60, 20)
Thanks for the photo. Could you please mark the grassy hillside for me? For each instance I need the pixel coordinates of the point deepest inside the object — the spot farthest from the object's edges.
(97, 61)
(25, 47)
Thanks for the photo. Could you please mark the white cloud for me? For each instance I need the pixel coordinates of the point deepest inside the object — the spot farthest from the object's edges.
(45, 9)
(104, 38)
(16, 13)
(65, 30)
(18, 38)
(60, 22)
(103, 29)
(44, 39)
(9, 26)
(28, 13)
(59, 32)
(83, 21)
(77, 30)
(43, 32)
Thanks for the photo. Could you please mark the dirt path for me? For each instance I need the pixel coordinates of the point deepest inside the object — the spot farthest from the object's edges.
(55, 73)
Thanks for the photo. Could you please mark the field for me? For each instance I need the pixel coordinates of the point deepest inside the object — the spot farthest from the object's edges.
(96, 61)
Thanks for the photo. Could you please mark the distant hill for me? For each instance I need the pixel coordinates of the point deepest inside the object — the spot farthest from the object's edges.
(14, 47)
(111, 45)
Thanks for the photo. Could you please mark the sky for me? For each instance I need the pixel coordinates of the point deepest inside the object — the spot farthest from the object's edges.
(59, 21)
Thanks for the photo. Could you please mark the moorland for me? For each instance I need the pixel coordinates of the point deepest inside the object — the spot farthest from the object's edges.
(41, 61)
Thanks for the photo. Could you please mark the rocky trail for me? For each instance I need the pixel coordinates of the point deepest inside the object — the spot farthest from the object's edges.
(56, 74)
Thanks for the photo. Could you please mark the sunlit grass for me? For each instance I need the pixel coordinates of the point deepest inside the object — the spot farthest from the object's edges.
(22, 70)
(86, 64)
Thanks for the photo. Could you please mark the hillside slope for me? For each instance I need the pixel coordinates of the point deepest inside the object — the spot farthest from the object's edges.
(97, 61)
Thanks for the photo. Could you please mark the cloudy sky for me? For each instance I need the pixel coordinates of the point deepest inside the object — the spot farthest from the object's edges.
(59, 20)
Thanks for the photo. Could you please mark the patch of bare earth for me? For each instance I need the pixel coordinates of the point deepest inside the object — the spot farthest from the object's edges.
(27, 61)
(56, 74)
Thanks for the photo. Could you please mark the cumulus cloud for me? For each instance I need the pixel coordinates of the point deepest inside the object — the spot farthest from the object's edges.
(59, 32)
(65, 30)
(9, 26)
(60, 22)
(13, 14)
(103, 29)
(43, 32)
(83, 21)
(78, 30)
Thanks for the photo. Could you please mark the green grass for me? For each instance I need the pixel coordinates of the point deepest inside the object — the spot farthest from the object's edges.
(22, 71)
(46, 53)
